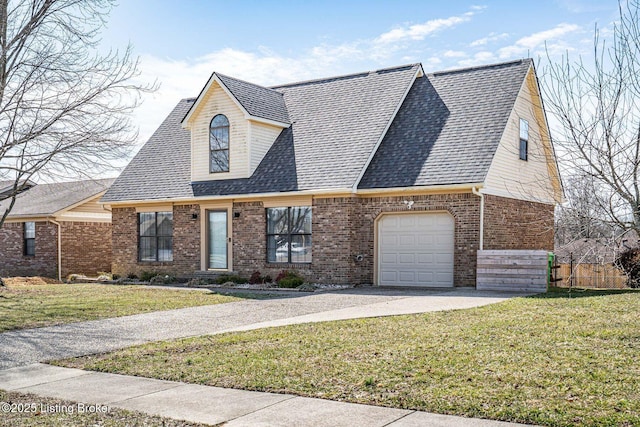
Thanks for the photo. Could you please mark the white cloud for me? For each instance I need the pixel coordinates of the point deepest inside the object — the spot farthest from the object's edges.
(492, 37)
(482, 57)
(454, 54)
(418, 32)
(537, 40)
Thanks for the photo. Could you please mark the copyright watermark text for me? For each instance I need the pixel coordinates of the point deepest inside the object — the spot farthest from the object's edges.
(49, 408)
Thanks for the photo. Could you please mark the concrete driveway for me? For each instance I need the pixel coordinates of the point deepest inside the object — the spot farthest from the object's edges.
(20, 349)
(23, 347)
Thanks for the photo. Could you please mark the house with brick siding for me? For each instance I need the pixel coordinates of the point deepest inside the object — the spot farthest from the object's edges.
(54, 230)
(391, 177)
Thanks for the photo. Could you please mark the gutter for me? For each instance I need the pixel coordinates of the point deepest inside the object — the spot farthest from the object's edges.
(479, 193)
(59, 248)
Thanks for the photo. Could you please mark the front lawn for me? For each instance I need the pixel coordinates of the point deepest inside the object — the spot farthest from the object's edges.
(549, 360)
(34, 305)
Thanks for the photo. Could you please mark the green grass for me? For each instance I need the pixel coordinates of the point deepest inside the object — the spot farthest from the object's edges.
(549, 360)
(29, 306)
(45, 414)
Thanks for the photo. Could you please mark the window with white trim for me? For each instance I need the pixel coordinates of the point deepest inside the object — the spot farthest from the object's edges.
(524, 139)
(29, 238)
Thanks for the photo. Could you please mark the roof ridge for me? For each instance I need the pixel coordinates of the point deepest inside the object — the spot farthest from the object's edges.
(248, 82)
(480, 67)
(343, 76)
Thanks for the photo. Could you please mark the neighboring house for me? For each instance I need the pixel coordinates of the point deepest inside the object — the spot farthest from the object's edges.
(391, 177)
(55, 230)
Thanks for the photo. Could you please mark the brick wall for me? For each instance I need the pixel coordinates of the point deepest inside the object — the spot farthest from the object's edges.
(517, 224)
(342, 229)
(12, 260)
(186, 243)
(86, 247)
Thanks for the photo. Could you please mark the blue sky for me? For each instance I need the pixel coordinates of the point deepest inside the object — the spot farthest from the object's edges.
(180, 43)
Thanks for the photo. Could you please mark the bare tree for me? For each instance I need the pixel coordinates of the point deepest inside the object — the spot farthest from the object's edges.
(64, 106)
(582, 216)
(596, 102)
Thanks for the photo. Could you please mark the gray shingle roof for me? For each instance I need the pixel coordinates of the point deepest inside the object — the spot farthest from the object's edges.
(47, 199)
(162, 167)
(259, 101)
(446, 132)
(448, 128)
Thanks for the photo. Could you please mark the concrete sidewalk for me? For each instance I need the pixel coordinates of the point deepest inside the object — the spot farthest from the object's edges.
(214, 405)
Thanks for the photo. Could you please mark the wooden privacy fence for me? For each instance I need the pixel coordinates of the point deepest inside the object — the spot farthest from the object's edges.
(599, 276)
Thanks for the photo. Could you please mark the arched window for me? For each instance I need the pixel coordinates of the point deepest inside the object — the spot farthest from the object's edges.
(219, 144)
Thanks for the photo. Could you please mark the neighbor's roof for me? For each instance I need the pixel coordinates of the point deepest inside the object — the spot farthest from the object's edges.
(445, 132)
(48, 199)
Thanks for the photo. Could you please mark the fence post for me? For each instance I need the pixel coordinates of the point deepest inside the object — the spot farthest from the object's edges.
(570, 271)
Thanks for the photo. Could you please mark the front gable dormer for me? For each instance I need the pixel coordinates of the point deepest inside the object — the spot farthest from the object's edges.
(233, 124)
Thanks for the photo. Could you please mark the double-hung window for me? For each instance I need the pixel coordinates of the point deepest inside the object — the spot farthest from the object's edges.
(289, 234)
(29, 238)
(155, 236)
(524, 139)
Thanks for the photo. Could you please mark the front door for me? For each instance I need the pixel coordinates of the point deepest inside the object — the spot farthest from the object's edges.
(217, 240)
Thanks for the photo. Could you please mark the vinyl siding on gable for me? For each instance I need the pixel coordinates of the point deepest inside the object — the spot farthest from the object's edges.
(509, 176)
(218, 102)
(262, 138)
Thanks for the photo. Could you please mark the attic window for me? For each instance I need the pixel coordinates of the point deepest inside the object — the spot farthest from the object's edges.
(524, 139)
(219, 144)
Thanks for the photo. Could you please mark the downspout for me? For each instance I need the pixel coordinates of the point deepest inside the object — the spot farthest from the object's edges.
(478, 193)
(59, 248)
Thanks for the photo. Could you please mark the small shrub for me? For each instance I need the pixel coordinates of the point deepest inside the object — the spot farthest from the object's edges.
(197, 281)
(224, 278)
(161, 279)
(146, 276)
(115, 276)
(289, 279)
(258, 279)
(629, 262)
(132, 276)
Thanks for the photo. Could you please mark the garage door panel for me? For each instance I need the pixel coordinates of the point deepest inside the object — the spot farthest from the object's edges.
(407, 277)
(407, 240)
(389, 258)
(405, 258)
(416, 250)
(425, 258)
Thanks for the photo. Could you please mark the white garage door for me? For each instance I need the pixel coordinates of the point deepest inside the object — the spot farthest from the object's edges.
(416, 250)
